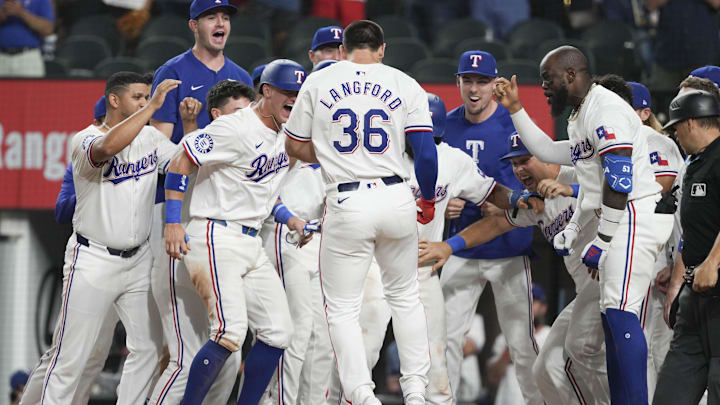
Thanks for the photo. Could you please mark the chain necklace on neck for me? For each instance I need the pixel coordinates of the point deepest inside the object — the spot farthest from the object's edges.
(574, 113)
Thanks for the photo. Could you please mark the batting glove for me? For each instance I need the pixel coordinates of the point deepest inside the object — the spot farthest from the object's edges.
(564, 240)
(595, 253)
(312, 226)
(426, 210)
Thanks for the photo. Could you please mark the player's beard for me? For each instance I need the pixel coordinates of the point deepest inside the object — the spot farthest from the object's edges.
(559, 101)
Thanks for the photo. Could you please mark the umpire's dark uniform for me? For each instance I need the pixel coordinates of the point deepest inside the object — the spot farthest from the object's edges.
(693, 362)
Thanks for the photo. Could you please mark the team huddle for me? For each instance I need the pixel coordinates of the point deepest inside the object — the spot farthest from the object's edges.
(309, 209)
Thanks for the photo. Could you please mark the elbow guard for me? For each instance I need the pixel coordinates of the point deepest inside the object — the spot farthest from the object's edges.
(618, 172)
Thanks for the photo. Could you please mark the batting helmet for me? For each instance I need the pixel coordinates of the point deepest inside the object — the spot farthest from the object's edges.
(693, 104)
(438, 114)
(285, 74)
(323, 65)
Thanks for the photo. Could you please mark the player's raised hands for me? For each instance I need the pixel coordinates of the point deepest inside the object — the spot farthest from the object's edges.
(176, 241)
(551, 188)
(190, 108)
(158, 97)
(430, 252)
(506, 93)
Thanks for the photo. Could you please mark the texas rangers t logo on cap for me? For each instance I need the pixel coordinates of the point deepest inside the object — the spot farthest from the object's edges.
(300, 74)
(475, 58)
(514, 139)
(337, 32)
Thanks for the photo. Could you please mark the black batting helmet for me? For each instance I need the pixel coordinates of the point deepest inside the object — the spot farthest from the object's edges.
(693, 104)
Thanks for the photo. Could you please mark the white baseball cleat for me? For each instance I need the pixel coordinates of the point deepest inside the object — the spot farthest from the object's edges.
(415, 398)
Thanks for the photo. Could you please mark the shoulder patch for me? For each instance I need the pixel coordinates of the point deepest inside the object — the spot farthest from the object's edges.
(656, 159)
(204, 143)
(88, 140)
(604, 132)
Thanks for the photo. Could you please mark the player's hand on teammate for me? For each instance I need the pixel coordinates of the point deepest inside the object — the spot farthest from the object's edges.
(176, 241)
(526, 200)
(454, 208)
(705, 276)
(551, 188)
(158, 97)
(565, 239)
(425, 210)
(433, 251)
(190, 108)
(304, 233)
(507, 94)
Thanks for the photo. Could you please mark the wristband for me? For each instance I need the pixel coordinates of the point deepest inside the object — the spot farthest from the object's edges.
(575, 189)
(457, 243)
(609, 220)
(282, 214)
(172, 211)
(176, 182)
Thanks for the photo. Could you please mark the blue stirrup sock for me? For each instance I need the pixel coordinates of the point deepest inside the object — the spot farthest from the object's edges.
(260, 365)
(626, 353)
(205, 368)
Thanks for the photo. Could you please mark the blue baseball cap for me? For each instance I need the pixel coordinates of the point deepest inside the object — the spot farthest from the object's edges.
(323, 64)
(438, 112)
(200, 6)
(100, 108)
(708, 72)
(538, 293)
(257, 73)
(18, 379)
(478, 63)
(515, 147)
(327, 35)
(641, 95)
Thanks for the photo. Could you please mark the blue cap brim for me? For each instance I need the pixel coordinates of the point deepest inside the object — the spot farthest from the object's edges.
(514, 154)
(230, 7)
(325, 43)
(474, 72)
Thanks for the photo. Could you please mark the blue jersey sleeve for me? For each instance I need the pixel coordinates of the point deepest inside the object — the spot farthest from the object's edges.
(43, 8)
(169, 110)
(65, 204)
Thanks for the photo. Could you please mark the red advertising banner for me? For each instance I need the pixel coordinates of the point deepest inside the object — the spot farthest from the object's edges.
(39, 117)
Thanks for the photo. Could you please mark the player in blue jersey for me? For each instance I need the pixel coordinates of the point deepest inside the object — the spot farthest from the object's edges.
(200, 67)
(481, 127)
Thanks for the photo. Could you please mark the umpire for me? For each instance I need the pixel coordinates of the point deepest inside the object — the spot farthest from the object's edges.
(693, 362)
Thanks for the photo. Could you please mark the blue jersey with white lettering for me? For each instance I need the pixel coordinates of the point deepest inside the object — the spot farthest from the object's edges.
(486, 142)
(197, 79)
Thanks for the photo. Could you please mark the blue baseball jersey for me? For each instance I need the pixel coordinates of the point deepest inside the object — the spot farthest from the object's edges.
(197, 79)
(65, 204)
(486, 142)
(15, 33)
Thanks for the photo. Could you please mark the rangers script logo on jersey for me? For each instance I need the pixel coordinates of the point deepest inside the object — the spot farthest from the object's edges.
(582, 150)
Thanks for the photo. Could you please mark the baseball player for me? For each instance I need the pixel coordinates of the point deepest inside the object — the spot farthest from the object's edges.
(107, 258)
(615, 176)
(235, 190)
(350, 117)
(480, 128)
(325, 44)
(570, 367)
(182, 311)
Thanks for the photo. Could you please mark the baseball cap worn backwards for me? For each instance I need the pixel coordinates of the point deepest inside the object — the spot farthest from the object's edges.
(640, 94)
(477, 62)
(709, 72)
(326, 35)
(198, 7)
(100, 108)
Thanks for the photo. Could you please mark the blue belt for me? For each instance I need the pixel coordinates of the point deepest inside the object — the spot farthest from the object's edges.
(126, 254)
(353, 185)
(245, 229)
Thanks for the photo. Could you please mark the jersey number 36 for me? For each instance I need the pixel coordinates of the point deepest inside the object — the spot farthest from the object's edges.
(368, 131)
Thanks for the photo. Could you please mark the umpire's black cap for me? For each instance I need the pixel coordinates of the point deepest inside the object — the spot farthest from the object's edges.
(693, 104)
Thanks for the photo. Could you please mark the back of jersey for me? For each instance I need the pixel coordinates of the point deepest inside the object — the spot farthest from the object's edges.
(356, 116)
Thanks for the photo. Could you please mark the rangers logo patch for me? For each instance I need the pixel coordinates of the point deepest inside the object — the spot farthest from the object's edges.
(88, 140)
(204, 143)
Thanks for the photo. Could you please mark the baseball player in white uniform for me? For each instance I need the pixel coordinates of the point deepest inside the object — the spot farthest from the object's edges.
(107, 258)
(182, 311)
(570, 367)
(352, 117)
(615, 176)
(235, 190)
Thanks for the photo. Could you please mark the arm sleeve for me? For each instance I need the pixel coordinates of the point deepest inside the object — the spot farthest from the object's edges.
(65, 204)
(299, 125)
(582, 217)
(538, 142)
(216, 143)
(81, 157)
(472, 184)
(665, 159)
(45, 10)
(418, 127)
(169, 110)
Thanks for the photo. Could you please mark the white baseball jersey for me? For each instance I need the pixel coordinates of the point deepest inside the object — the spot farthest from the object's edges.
(303, 191)
(553, 220)
(665, 157)
(359, 125)
(241, 164)
(458, 176)
(124, 183)
(606, 123)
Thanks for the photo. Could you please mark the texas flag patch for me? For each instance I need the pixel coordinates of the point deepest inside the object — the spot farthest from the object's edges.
(605, 133)
(656, 158)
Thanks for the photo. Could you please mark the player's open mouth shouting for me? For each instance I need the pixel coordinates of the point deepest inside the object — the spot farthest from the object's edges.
(218, 36)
